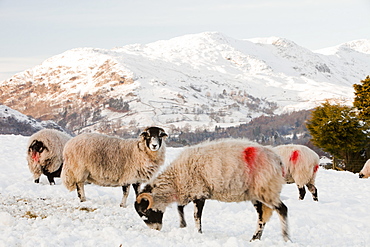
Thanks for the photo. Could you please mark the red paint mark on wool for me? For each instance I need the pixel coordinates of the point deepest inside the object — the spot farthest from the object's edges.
(294, 157)
(250, 154)
(35, 156)
(315, 168)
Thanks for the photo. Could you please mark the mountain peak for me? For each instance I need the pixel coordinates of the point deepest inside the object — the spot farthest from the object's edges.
(361, 46)
(198, 80)
(273, 40)
(196, 42)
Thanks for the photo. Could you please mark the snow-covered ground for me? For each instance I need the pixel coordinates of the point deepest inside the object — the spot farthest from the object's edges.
(43, 215)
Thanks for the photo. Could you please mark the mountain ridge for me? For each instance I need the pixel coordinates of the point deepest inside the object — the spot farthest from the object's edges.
(14, 122)
(201, 80)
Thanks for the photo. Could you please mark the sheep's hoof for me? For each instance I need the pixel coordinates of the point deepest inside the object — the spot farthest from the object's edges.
(256, 236)
(123, 205)
(287, 239)
(254, 239)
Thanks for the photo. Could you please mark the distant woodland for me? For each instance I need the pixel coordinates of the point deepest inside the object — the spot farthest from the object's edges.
(267, 130)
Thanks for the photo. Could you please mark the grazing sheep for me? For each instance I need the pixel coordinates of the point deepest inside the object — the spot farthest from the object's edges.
(112, 161)
(226, 170)
(301, 164)
(45, 153)
(365, 171)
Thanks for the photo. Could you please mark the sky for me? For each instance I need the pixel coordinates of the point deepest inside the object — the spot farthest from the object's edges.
(32, 31)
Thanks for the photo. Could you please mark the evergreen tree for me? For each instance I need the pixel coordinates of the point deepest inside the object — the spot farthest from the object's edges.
(337, 130)
(362, 98)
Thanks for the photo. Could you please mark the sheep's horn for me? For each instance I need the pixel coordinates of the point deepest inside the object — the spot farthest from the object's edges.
(147, 197)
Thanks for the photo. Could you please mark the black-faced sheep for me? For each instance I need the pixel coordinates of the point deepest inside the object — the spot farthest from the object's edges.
(365, 171)
(45, 153)
(225, 170)
(300, 166)
(112, 161)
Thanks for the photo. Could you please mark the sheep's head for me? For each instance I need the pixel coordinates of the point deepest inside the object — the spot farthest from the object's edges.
(152, 218)
(153, 137)
(365, 171)
(35, 150)
(363, 175)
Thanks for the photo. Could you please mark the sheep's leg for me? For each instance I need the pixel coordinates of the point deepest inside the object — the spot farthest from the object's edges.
(52, 175)
(264, 214)
(81, 191)
(180, 209)
(36, 177)
(55, 174)
(282, 210)
(302, 192)
(125, 190)
(313, 191)
(136, 188)
(198, 209)
(51, 179)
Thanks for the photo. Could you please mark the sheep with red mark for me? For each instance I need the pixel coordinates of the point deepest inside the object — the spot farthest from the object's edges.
(112, 161)
(300, 167)
(45, 153)
(365, 171)
(227, 170)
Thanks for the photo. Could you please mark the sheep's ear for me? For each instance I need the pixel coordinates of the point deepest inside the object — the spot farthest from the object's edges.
(145, 196)
(32, 144)
(144, 134)
(163, 135)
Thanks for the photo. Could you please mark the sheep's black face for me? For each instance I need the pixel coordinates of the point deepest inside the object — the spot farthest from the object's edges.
(152, 218)
(35, 150)
(153, 137)
(37, 146)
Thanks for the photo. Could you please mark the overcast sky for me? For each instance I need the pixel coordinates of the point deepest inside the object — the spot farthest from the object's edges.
(33, 30)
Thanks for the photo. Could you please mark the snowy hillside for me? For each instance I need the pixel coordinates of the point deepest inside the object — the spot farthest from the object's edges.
(43, 215)
(204, 79)
(12, 121)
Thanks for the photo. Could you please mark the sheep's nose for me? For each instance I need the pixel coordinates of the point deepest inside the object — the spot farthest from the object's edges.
(154, 146)
(361, 175)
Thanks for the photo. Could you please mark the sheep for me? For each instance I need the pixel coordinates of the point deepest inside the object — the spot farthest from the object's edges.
(365, 171)
(227, 170)
(45, 154)
(112, 161)
(300, 165)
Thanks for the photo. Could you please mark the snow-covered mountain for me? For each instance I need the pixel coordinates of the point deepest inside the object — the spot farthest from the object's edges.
(198, 80)
(14, 122)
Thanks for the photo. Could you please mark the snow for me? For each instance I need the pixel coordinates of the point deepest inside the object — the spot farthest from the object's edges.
(9, 115)
(44, 215)
(7, 112)
(189, 72)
